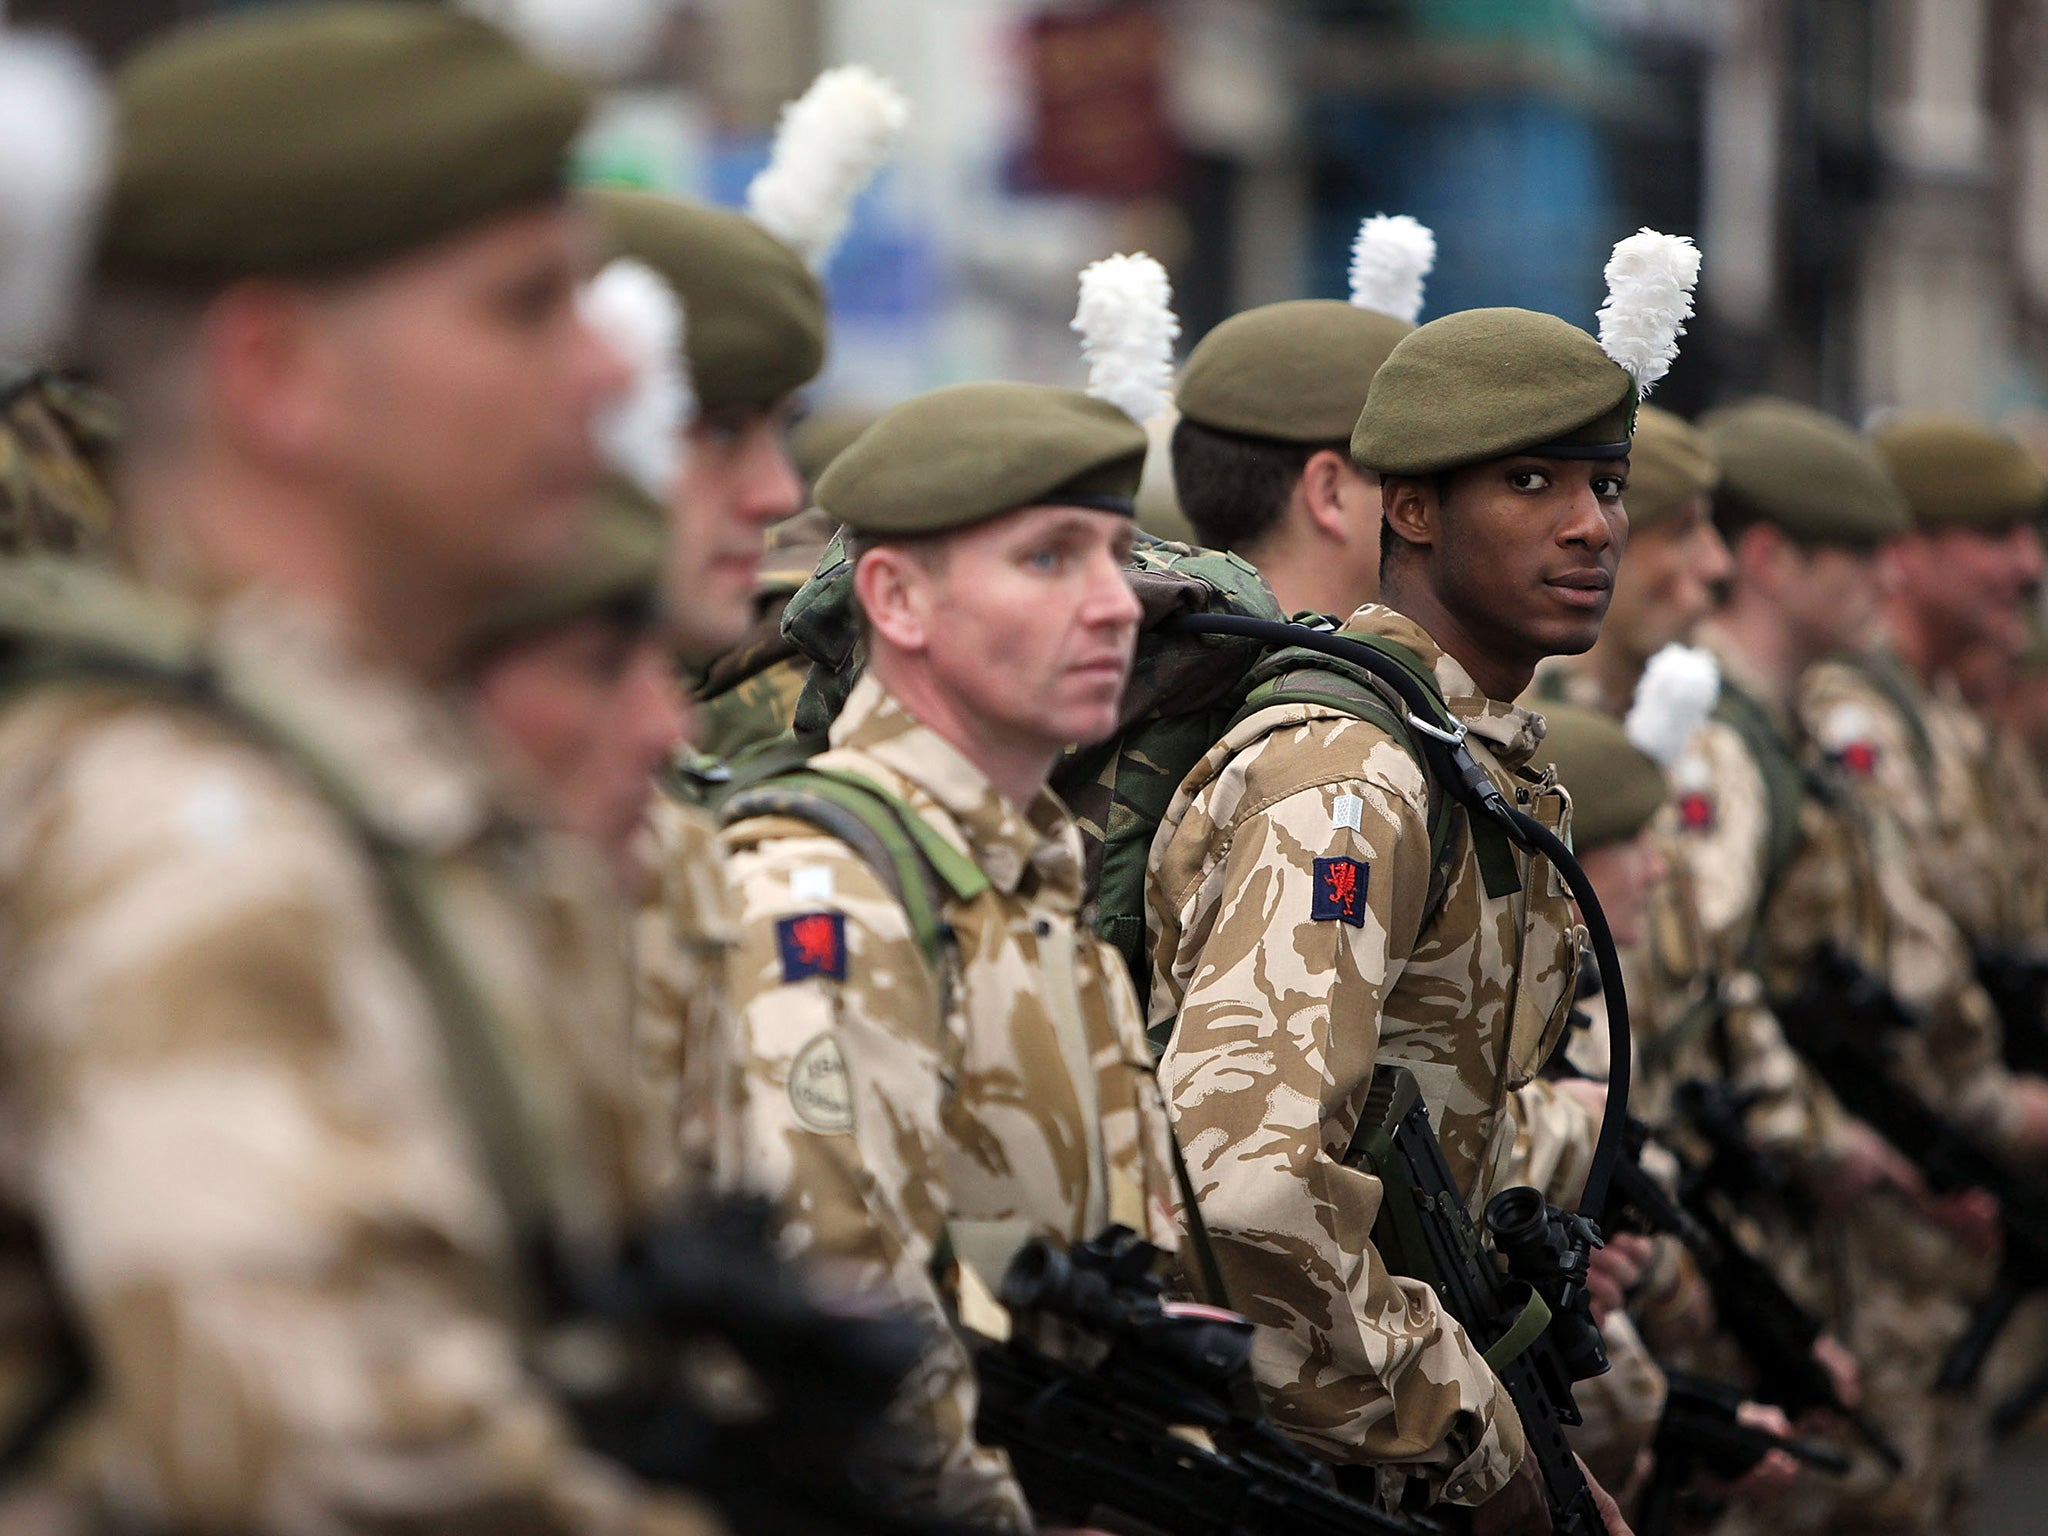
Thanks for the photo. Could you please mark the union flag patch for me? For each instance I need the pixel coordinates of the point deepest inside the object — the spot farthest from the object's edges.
(812, 944)
(1696, 811)
(1340, 891)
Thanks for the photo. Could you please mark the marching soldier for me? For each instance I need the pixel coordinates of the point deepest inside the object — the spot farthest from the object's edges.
(1302, 933)
(924, 1095)
(291, 1082)
(1262, 451)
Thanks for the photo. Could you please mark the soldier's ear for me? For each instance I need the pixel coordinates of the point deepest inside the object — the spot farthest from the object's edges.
(893, 587)
(1409, 506)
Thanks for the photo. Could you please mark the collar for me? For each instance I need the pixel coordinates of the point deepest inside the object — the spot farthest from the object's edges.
(409, 757)
(1739, 675)
(1005, 843)
(1513, 733)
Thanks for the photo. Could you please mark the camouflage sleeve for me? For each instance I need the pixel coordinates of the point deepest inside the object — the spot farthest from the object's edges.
(1554, 1136)
(838, 1079)
(1267, 1070)
(236, 1124)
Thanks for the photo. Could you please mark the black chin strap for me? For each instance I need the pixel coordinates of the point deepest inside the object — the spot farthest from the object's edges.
(1441, 741)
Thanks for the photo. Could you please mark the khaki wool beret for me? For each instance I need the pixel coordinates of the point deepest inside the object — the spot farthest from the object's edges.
(1615, 787)
(321, 139)
(962, 455)
(1485, 383)
(754, 323)
(1805, 473)
(822, 436)
(1297, 371)
(618, 564)
(1670, 462)
(1957, 474)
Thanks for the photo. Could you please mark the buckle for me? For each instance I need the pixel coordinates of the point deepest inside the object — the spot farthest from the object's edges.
(1454, 737)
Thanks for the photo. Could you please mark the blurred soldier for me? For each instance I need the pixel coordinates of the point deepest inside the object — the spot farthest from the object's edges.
(292, 1082)
(574, 675)
(1262, 452)
(1305, 927)
(937, 1060)
(1783, 866)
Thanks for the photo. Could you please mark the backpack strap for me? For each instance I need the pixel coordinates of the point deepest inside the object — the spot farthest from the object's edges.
(1786, 785)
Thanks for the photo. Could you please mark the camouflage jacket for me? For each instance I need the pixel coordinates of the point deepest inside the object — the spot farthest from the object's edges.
(57, 436)
(237, 1125)
(1287, 884)
(904, 1118)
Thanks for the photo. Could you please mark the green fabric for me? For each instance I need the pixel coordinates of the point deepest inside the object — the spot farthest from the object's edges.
(1615, 787)
(1957, 474)
(960, 456)
(619, 562)
(1670, 464)
(324, 138)
(1297, 371)
(823, 435)
(1486, 383)
(1806, 473)
(1527, 1328)
(755, 323)
(1786, 787)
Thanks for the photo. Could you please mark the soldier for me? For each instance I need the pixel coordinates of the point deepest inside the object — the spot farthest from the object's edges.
(924, 1094)
(57, 440)
(1783, 867)
(291, 1084)
(1298, 933)
(1261, 453)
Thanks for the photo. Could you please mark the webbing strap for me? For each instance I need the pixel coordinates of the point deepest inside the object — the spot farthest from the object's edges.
(1527, 1329)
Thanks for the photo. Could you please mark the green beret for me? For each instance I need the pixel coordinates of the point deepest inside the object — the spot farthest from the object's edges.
(1670, 462)
(1615, 787)
(1805, 473)
(822, 436)
(754, 316)
(962, 455)
(1297, 371)
(318, 139)
(794, 547)
(1956, 474)
(1485, 383)
(618, 565)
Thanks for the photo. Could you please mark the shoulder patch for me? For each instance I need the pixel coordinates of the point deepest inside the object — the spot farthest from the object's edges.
(1858, 758)
(1340, 891)
(1696, 811)
(820, 1092)
(812, 944)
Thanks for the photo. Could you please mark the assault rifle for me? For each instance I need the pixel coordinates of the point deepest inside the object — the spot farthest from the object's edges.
(1701, 1433)
(701, 1359)
(1145, 1433)
(2017, 985)
(1751, 1305)
(1534, 1322)
(1844, 1021)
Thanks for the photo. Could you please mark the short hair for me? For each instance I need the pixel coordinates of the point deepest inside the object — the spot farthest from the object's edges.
(1735, 514)
(1234, 488)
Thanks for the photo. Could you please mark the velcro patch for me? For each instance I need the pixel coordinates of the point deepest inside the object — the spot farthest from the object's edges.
(1340, 891)
(812, 944)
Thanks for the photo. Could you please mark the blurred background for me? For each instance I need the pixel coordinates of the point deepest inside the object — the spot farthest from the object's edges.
(1867, 178)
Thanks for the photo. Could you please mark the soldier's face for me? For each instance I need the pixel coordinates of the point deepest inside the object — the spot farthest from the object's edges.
(1972, 585)
(1829, 597)
(1667, 582)
(453, 393)
(590, 709)
(736, 483)
(1623, 876)
(1024, 624)
(1526, 551)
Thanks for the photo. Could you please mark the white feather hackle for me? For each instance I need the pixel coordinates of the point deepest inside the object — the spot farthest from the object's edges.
(1674, 696)
(602, 38)
(636, 314)
(1389, 259)
(1128, 328)
(831, 142)
(1650, 279)
(54, 136)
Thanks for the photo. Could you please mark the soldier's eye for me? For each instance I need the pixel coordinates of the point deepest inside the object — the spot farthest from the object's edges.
(1529, 480)
(1607, 487)
(1050, 561)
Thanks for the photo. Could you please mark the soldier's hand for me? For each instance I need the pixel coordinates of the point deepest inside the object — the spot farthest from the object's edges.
(1843, 1372)
(2028, 1142)
(1616, 1270)
(1610, 1512)
(1519, 1509)
(1868, 1162)
(1778, 1470)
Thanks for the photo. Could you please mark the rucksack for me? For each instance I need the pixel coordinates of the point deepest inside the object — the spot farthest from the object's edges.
(1187, 691)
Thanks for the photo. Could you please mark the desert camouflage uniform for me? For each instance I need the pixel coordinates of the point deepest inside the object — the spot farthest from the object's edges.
(1282, 1017)
(750, 694)
(232, 1114)
(901, 1116)
(1893, 1287)
(56, 436)
(683, 935)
